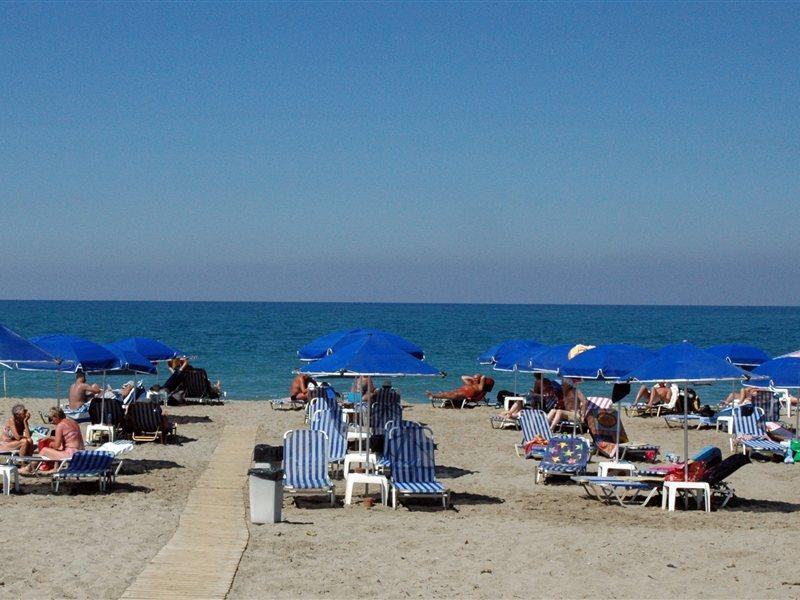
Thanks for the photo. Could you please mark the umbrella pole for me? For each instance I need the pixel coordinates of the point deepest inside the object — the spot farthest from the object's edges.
(515, 380)
(5, 385)
(574, 408)
(686, 432)
(616, 447)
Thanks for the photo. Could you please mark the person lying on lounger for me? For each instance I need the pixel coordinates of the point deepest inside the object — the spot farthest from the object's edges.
(472, 388)
(572, 401)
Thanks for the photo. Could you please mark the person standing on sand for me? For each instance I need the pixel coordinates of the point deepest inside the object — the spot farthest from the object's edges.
(80, 391)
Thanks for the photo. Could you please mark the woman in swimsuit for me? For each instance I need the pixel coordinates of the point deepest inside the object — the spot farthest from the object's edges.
(473, 385)
(68, 439)
(16, 435)
(570, 403)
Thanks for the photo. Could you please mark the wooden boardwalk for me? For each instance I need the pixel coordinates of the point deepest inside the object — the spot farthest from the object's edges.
(201, 559)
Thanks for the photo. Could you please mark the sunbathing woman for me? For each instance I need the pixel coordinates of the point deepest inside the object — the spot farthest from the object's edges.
(572, 401)
(473, 386)
(68, 439)
(16, 435)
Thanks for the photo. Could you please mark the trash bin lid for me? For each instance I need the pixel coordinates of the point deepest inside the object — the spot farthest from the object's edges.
(266, 473)
(267, 453)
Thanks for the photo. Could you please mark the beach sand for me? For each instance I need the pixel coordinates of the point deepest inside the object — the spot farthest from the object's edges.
(504, 536)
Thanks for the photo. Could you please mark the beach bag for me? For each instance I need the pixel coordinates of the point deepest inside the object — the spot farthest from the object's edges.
(47, 465)
(537, 442)
(697, 471)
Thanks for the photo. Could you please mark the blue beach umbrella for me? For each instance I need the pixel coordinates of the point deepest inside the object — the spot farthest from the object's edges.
(129, 361)
(607, 362)
(370, 356)
(152, 350)
(85, 355)
(330, 343)
(15, 350)
(508, 348)
(685, 363)
(741, 355)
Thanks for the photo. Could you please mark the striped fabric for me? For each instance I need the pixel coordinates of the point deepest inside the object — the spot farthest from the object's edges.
(387, 394)
(765, 400)
(413, 465)
(533, 423)
(145, 418)
(383, 412)
(305, 460)
(748, 427)
(564, 455)
(599, 403)
(319, 400)
(87, 464)
(331, 423)
(391, 436)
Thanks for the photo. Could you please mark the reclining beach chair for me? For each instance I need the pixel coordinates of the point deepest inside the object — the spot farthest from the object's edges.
(330, 421)
(384, 463)
(383, 412)
(624, 491)
(482, 396)
(766, 401)
(92, 464)
(413, 465)
(716, 474)
(286, 404)
(387, 394)
(564, 456)
(534, 425)
(320, 399)
(198, 389)
(145, 423)
(305, 462)
(602, 424)
(711, 455)
(749, 431)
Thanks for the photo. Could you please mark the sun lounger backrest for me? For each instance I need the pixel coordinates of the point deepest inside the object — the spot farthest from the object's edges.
(412, 454)
(393, 436)
(566, 450)
(331, 423)
(87, 462)
(533, 423)
(747, 420)
(596, 403)
(383, 412)
(114, 413)
(305, 457)
(386, 394)
(718, 473)
(196, 383)
(765, 400)
(145, 417)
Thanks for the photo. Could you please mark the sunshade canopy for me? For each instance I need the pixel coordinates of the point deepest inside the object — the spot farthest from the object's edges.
(329, 344)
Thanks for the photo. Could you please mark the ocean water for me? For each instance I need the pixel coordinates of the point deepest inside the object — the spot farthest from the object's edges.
(252, 347)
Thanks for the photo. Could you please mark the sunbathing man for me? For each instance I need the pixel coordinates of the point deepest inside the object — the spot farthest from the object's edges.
(80, 391)
(572, 401)
(298, 391)
(473, 386)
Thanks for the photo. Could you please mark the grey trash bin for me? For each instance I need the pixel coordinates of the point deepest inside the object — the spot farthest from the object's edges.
(266, 494)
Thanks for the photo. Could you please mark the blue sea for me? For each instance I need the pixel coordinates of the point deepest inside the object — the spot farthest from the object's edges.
(252, 347)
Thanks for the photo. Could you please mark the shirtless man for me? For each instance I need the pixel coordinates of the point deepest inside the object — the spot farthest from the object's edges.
(660, 394)
(80, 391)
(473, 385)
(299, 389)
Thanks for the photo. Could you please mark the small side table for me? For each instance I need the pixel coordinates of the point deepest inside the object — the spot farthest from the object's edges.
(509, 400)
(9, 473)
(699, 488)
(359, 458)
(604, 469)
(366, 479)
(728, 421)
(95, 430)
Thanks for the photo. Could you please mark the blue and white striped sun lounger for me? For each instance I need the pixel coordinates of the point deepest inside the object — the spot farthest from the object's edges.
(87, 464)
(385, 461)
(330, 421)
(533, 423)
(624, 491)
(413, 465)
(565, 456)
(305, 462)
(749, 431)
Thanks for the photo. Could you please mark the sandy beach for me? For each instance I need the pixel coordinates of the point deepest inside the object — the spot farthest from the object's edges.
(503, 537)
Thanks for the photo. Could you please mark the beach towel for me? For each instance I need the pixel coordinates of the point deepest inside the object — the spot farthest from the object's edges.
(602, 425)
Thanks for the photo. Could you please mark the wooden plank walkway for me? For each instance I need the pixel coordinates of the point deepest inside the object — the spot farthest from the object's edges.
(201, 559)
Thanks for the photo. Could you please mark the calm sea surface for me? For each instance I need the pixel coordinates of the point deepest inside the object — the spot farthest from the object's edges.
(251, 346)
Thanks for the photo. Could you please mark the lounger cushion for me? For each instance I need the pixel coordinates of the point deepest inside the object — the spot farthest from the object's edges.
(419, 487)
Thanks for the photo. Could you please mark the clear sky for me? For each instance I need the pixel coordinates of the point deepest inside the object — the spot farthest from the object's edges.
(581, 153)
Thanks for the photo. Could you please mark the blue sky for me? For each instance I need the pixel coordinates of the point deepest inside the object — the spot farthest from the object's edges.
(581, 153)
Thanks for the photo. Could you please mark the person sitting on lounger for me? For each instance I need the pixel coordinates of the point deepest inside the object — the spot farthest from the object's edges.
(16, 434)
(662, 393)
(365, 387)
(543, 388)
(298, 392)
(472, 388)
(68, 439)
(80, 392)
(571, 402)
